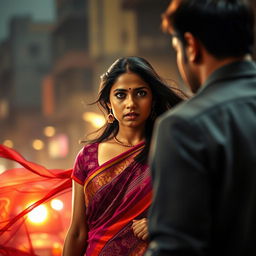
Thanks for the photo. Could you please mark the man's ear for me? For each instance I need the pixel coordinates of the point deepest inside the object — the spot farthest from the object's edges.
(193, 49)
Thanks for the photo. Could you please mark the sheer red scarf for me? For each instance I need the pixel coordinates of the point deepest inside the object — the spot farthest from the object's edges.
(31, 173)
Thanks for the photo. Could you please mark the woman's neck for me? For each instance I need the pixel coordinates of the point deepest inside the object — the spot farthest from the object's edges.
(130, 136)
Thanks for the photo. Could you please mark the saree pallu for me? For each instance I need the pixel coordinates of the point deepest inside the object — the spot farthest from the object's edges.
(116, 193)
(17, 187)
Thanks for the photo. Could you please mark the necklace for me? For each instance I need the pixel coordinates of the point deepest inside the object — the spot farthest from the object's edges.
(121, 143)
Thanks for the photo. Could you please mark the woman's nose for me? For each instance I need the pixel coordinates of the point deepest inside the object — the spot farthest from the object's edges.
(130, 101)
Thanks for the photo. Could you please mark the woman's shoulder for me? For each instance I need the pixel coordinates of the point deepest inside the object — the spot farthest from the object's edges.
(87, 152)
(87, 156)
(89, 148)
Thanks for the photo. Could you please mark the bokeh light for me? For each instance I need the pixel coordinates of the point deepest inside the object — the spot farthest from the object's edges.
(38, 144)
(58, 146)
(38, 215)
(56, 249)
(57, 204)
(95, 119)
(8, 143)
(49, 131)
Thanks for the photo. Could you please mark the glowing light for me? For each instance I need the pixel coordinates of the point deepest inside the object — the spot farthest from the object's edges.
(58, 146)
(38, 215)
(2, 168)
(56, 245)
(57, 204)
(8, 143)
(49, 131)
(95, 119)
(38, 144)
(38, 243)
(56, 249)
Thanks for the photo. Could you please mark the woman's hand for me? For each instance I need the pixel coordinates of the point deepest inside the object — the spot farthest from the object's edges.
(140, 228)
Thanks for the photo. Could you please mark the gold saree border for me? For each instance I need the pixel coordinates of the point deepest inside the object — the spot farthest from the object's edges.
(102, 178)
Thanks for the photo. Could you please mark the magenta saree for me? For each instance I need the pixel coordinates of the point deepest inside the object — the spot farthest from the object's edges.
(116, 193)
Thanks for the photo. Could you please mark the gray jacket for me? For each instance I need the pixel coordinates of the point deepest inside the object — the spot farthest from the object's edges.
(203, 161)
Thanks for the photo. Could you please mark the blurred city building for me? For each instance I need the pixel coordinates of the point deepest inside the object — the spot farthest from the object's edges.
(25, 60)
(68, 88)
(30, 46)
(152, 43)
(6, 82)
(112, 33)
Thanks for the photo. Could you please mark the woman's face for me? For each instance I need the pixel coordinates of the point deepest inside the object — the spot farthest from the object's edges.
(130, 100)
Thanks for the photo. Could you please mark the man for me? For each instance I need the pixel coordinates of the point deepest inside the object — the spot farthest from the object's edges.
(203, 156)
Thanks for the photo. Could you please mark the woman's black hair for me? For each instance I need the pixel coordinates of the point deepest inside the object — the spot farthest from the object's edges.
(164, 97)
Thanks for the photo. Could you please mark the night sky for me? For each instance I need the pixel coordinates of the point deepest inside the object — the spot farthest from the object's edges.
(40, 10)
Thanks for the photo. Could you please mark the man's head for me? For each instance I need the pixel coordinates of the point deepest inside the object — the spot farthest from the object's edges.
(224, 28)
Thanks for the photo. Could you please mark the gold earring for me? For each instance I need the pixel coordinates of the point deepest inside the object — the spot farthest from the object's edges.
(110, 117)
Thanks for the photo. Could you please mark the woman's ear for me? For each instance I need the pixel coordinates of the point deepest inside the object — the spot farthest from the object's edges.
(109, 105)
(110, 116)
(193, 49)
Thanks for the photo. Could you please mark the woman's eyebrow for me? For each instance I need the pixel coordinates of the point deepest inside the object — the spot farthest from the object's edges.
(120, 90)
(140, 88)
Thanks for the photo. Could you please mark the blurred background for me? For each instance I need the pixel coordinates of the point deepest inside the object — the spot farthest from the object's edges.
(52, 53)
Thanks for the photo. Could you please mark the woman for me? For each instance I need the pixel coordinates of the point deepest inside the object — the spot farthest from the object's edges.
(111, 179)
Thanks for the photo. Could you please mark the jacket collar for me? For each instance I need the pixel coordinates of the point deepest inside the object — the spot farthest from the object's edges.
(231, 71)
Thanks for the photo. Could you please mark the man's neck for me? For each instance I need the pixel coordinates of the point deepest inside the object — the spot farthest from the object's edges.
(212, 64)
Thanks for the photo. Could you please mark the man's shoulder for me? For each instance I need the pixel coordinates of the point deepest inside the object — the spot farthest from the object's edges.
(187, 110)
(203, 107)
(215, 97)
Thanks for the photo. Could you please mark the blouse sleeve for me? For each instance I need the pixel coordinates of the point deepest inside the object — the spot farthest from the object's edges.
(79, 170)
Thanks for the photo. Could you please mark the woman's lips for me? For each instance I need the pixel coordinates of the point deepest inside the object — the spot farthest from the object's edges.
(131, 116)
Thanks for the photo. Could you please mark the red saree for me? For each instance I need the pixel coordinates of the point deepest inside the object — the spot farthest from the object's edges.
(116, 193)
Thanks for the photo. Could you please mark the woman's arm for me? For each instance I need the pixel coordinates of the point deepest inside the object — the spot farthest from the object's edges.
(76, 238)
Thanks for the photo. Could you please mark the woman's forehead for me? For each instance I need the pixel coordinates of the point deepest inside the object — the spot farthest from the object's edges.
(129, 80)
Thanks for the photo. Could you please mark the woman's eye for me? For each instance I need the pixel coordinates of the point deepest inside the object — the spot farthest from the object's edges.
(120, 95)
(141, 93)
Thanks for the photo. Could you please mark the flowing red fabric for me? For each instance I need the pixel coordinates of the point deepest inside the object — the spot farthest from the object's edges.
(9, 251)
(20, 181)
